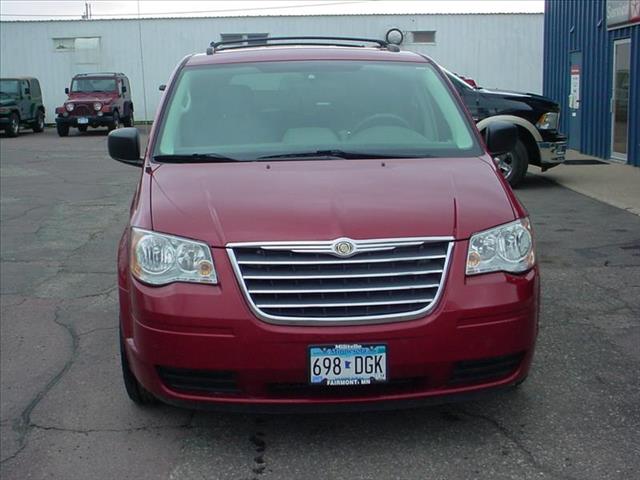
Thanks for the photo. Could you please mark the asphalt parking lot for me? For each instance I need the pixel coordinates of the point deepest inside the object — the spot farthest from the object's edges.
(65, 414)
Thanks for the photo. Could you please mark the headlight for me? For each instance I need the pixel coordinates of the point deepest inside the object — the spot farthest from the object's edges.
(69, 107)
(507, 248)
(160, 259)
(97, 106)
(548, 121)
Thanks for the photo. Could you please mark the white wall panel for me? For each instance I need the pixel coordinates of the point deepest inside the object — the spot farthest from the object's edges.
(497, 50)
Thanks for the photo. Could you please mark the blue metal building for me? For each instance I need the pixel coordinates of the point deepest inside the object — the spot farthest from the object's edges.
(592, 68)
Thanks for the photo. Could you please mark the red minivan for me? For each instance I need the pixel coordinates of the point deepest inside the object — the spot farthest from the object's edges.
(318, 224)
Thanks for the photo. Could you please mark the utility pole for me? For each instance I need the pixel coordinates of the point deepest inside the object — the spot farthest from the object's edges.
(87, 11)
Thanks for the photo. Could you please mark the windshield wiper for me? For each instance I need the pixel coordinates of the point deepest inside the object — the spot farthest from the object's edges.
(335, 154)
(194, 158)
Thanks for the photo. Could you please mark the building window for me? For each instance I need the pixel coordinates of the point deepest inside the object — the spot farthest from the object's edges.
(249, 38)
(63, 44)
(87, 49)
(424, 36)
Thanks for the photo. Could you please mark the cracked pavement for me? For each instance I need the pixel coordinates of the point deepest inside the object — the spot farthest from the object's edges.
(64, 412)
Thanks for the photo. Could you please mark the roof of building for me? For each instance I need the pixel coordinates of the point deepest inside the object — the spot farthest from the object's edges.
(209, 17)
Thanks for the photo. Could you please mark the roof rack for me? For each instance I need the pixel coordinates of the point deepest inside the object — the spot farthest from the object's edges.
(93, 74)
(313, 40)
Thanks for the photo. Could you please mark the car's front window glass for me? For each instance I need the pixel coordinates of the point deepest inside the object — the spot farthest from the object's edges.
(10, 87)
(87, 85)
(262, 109)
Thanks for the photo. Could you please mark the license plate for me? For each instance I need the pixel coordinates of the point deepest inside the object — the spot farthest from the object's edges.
(83, 120)
(347, 364)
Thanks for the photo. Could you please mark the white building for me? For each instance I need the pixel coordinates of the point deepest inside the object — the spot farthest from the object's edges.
(502, 50)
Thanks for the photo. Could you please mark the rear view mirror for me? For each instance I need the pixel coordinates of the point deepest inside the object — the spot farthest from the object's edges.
(500, 137)
(124, 146)
(66, 90)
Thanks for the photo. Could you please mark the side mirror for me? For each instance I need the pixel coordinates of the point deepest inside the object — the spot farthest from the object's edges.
(124, 146)
(27, 91)
(500, 137)
(162, 87)
(66, 90)
(124, 89)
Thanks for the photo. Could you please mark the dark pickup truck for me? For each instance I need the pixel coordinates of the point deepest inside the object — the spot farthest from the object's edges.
(536, 117)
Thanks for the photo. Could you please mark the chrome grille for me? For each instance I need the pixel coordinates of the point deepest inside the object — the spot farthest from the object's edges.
(309, 283)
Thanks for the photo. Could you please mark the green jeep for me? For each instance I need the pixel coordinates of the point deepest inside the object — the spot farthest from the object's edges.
(21, 104)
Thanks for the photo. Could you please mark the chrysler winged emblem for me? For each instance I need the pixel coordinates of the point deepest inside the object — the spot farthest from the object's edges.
(343, 247)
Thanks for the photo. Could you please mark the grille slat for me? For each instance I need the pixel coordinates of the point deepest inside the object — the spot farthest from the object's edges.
(260, 260)
(256, 291)
(383, 280)
(268, 276)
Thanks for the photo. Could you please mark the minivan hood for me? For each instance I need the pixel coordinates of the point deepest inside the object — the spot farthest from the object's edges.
(323, 200)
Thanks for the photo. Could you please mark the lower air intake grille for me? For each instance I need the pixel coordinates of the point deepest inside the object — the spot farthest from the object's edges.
(473, 371)
(345, 281)
(198, 381)
(398, 385)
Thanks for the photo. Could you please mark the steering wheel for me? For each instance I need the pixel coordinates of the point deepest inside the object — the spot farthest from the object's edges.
(381, 119)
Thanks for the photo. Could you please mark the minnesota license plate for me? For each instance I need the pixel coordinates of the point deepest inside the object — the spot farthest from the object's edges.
(351, 364)
(83, 120)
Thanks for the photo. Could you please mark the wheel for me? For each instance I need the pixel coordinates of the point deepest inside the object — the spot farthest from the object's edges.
(63, 130)
(115, 123)
(82, 128)
(38, 125)
(513, 165)
(128, 121)
(136, 392)
(13, 129)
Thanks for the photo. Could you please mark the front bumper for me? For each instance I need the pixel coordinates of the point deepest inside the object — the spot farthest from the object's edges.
(212, 331)
(4, 120)
(553, 152)
(90, 121)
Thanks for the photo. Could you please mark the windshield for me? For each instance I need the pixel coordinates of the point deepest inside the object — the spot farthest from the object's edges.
(10, 87)
(272, 109)
(86, 85)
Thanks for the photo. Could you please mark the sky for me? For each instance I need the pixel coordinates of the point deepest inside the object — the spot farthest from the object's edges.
(73, 9)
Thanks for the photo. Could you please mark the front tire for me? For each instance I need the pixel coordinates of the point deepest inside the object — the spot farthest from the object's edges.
(13, 129)
(128, 122)
(115, 123)
(135, 391)
(513, 165)
(63, 130)
(38, 125)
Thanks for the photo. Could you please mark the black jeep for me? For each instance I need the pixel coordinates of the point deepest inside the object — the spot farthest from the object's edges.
(21, 105)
